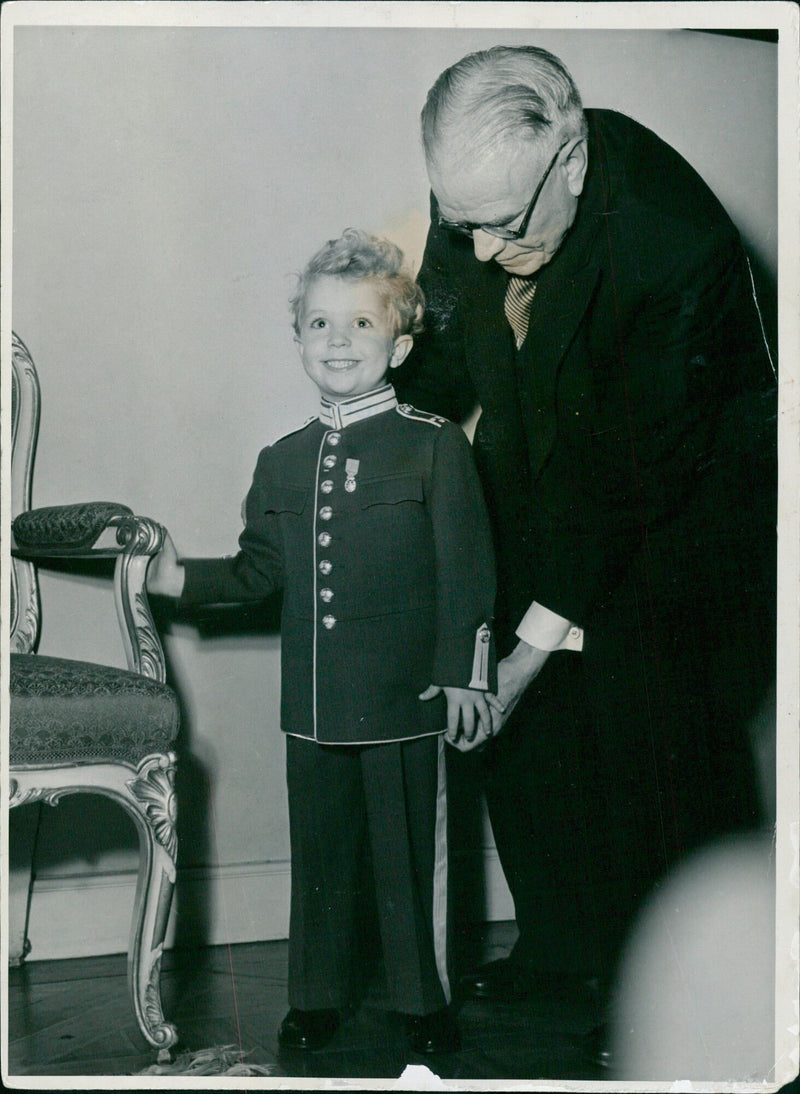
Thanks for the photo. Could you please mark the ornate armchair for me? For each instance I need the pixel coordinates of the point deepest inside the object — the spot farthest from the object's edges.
(86, 728)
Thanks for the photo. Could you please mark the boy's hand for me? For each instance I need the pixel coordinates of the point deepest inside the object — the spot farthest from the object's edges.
(468, 712)
(165, 575)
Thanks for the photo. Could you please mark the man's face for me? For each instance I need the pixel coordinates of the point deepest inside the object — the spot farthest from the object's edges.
(495, 188)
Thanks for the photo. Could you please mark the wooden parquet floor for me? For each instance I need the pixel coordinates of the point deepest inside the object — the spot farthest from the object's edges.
(73, 1018)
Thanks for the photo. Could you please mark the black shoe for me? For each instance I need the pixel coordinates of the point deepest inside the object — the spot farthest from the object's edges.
(431, 1033)
(308, 1029)
(501, 981)
(596, 1047)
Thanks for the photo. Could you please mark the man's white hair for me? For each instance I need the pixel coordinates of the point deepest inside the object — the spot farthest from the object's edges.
(504, 96)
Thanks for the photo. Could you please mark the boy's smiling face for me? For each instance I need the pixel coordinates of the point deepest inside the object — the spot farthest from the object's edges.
(346, 340)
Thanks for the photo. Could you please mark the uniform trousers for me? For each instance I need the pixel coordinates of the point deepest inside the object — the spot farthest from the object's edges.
(347, 804)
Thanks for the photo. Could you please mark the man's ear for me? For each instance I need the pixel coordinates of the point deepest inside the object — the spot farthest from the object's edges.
(402, 348)
(576, 162)
(299, 343)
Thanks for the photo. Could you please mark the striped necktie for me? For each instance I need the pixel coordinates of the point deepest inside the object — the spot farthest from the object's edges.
(519, 295)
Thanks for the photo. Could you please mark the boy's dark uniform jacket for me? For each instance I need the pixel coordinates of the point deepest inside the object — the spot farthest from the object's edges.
(378, 535)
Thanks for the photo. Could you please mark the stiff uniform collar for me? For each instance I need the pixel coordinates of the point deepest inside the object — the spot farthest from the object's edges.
(340, 415)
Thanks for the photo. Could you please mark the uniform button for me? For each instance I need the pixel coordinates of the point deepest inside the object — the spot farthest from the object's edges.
(325, 512)
(326, 595)
(324, 539)
(334, 438)
(325, 566)
(329, 621)
(326, 486)
(575, 632)
(329, 461)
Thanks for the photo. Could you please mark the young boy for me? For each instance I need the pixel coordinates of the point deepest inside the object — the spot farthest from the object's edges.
(371, 519)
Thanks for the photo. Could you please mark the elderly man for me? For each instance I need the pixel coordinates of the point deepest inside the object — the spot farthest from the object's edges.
(590, 293)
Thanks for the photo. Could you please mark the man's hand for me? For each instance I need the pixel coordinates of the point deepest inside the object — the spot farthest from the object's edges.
(514, 674)
(469, 721)
(165, 575)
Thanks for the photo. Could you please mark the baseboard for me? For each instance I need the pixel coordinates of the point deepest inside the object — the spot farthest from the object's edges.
(89, 915)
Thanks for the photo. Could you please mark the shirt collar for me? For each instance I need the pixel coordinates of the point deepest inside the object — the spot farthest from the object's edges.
(359, 407)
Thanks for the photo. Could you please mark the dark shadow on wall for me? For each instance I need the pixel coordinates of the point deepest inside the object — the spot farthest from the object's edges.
(193, 780)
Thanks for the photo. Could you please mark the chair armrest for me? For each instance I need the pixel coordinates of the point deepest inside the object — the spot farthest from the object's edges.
(101, 530)
(89, 529)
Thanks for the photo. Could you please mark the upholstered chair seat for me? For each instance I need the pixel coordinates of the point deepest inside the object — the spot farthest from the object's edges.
(76, 712)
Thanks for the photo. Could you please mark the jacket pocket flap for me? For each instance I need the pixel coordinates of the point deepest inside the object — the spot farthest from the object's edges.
(287, 499)
(391, 491)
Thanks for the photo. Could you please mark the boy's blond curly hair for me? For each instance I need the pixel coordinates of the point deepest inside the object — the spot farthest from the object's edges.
(359, 256)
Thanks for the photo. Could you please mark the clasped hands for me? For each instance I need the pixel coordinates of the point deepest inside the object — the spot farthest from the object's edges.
(474, 717)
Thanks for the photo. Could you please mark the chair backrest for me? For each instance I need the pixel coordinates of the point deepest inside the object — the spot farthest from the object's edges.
(25, 404)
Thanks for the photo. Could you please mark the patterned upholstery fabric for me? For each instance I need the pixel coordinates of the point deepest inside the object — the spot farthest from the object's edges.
(66, 526)
(71, 712)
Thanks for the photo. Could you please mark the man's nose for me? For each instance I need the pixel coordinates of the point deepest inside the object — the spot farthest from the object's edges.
(338, 336)
(486, 245)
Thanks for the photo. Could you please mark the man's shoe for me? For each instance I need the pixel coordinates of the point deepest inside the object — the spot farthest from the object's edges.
(501, 981)
(308, 1029)
(431, 1033)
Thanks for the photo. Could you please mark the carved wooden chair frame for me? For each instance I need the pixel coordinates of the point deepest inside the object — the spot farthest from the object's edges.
(145, 790)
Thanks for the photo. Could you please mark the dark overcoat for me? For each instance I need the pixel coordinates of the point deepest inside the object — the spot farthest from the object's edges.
(388, 581)
(627, 455)
(644, 374)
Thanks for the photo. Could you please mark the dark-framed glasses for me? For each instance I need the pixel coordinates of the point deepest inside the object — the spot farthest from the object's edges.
(465, 228)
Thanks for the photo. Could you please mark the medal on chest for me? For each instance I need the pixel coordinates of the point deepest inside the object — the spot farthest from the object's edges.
(351, 470)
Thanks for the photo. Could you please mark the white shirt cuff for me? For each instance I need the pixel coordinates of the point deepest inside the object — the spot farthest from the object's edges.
(545, 630)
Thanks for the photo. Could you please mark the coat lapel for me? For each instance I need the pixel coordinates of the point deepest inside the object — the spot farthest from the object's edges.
(558, 307)
(565, 289)
(504, 379)
(489, 339)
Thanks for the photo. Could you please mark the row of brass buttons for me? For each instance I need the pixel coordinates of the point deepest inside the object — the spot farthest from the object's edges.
(324, 538)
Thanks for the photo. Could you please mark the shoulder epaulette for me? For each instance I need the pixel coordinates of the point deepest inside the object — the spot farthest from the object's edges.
(299, 429)
(409, 411)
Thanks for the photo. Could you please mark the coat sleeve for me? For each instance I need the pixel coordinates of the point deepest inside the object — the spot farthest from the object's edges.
(465, 579)
(435, 376)
(256, 570)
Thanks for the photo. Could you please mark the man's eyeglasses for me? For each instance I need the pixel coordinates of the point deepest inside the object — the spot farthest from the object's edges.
(500, 230)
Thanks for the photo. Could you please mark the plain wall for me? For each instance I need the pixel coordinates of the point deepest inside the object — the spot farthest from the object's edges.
(167, 183)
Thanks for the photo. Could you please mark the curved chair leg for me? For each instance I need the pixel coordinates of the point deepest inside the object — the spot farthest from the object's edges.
(152, 804)
(147, 794)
